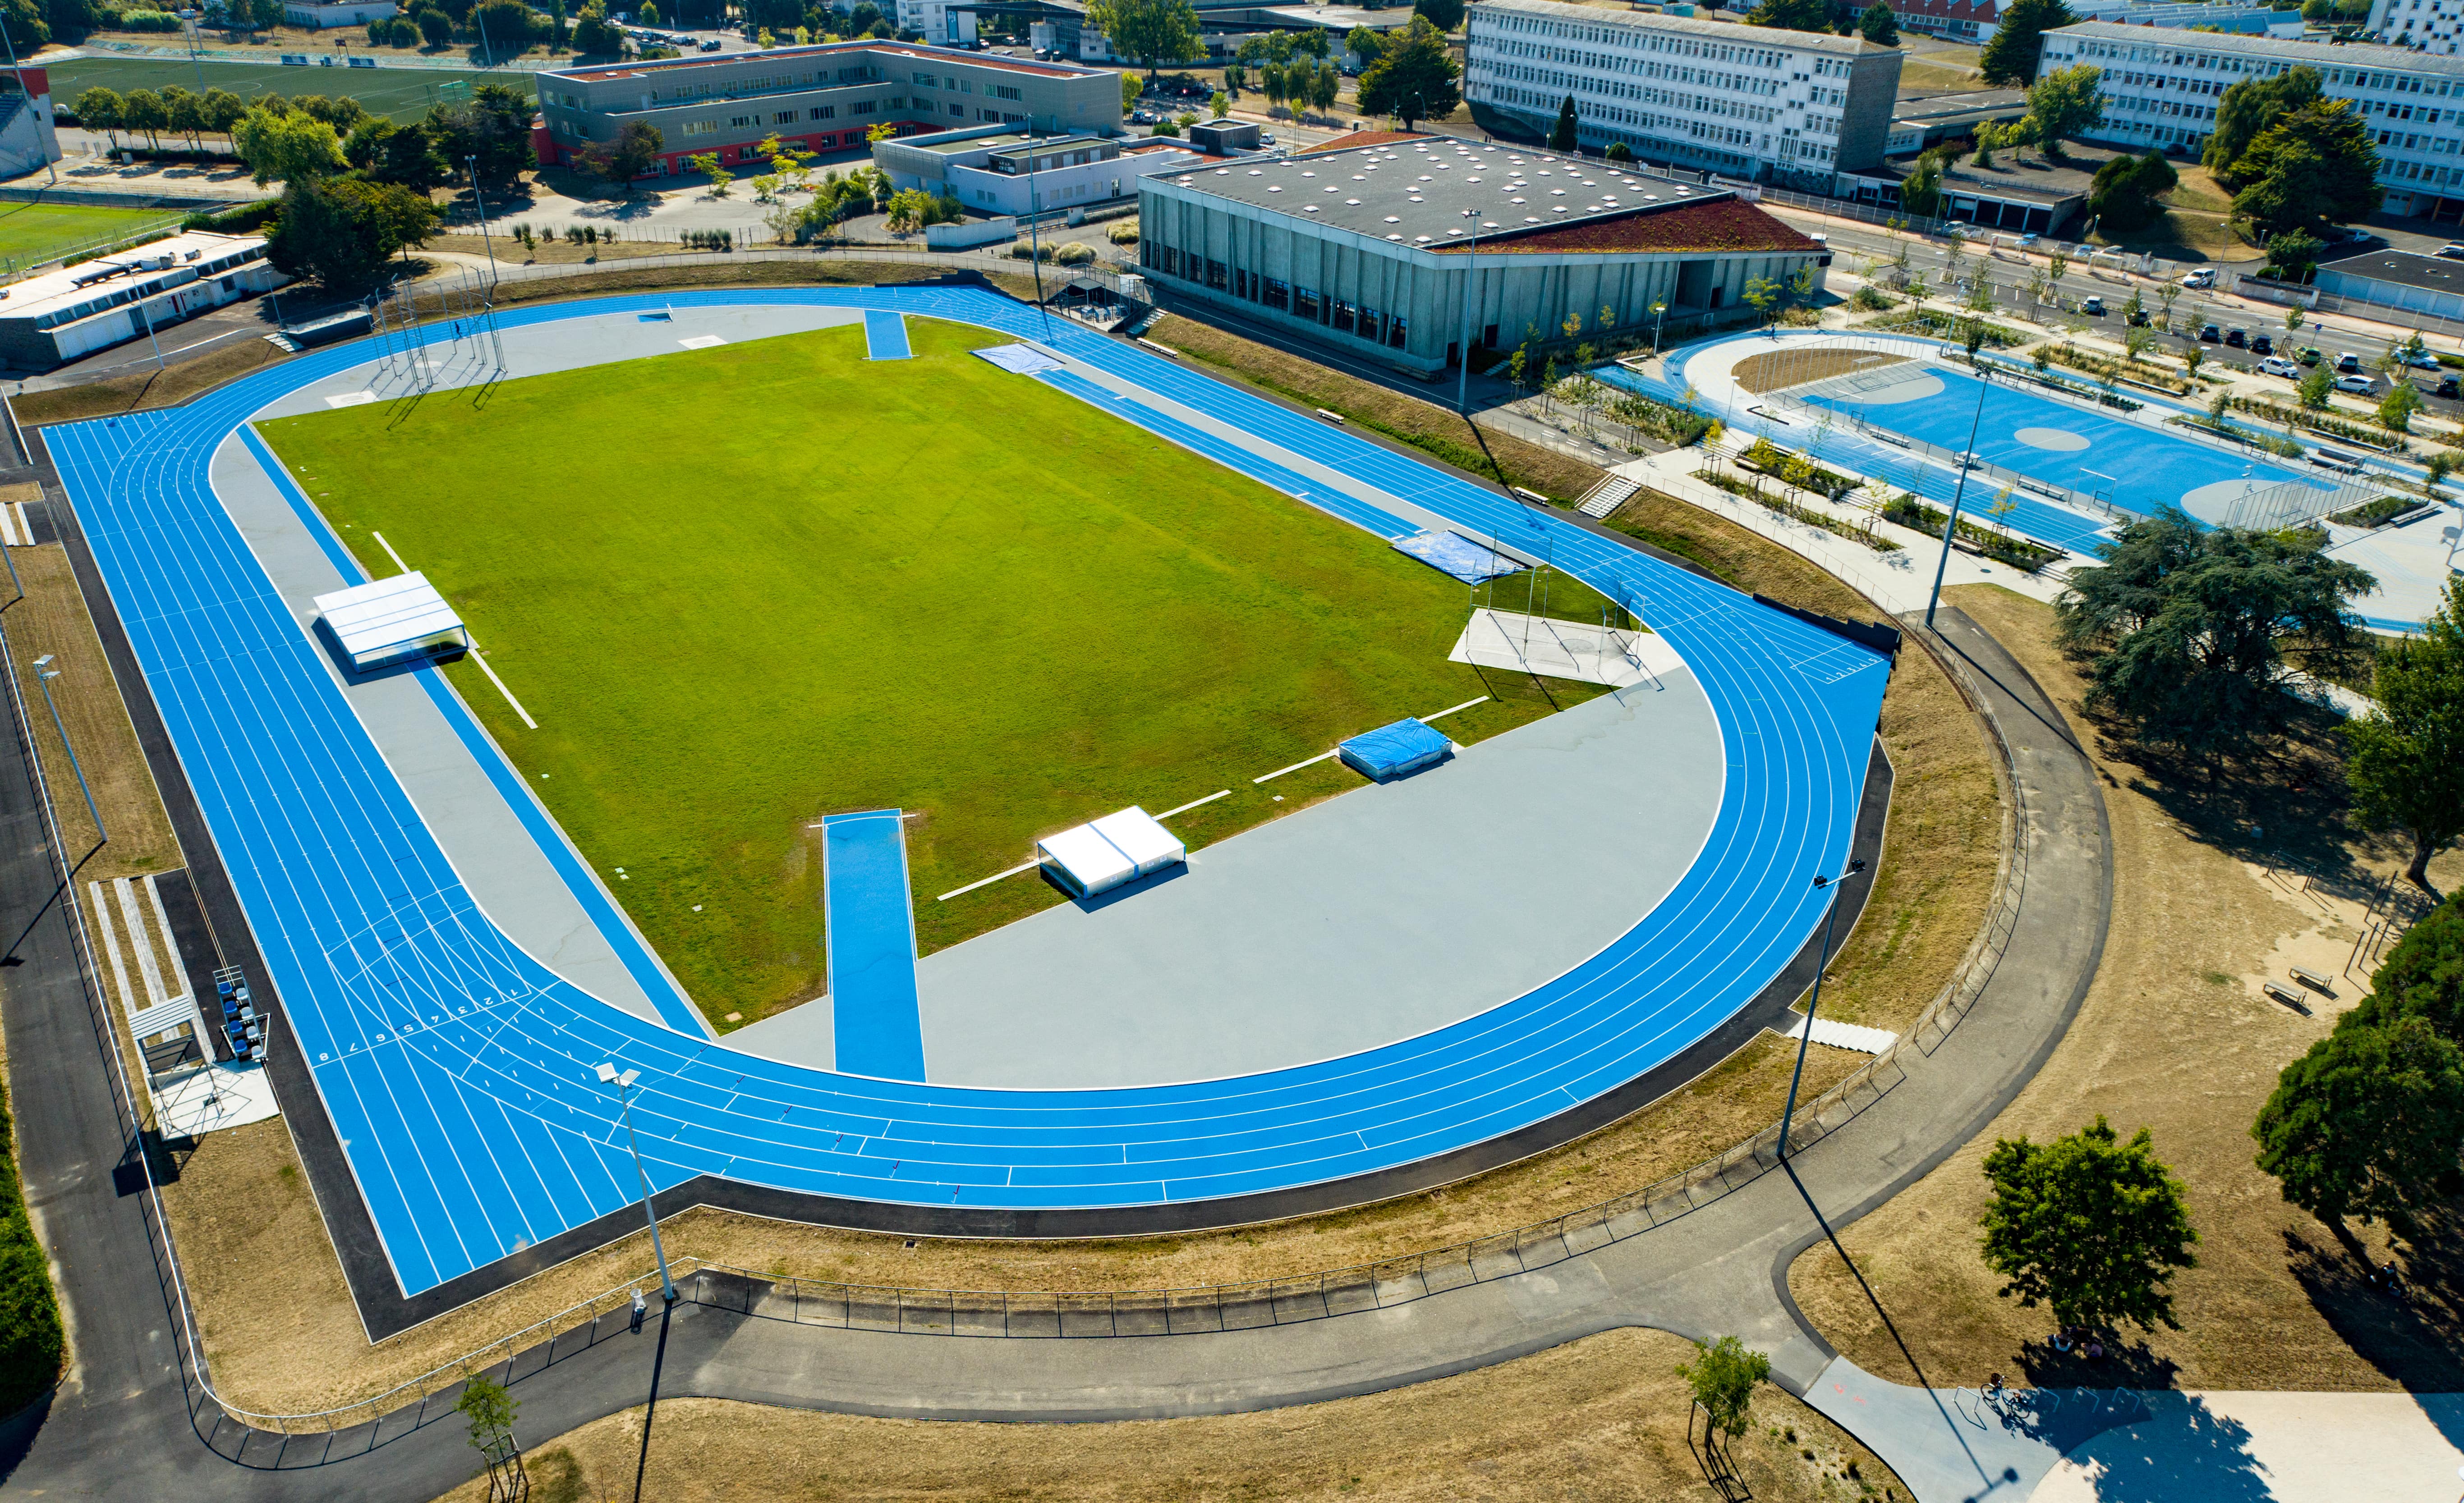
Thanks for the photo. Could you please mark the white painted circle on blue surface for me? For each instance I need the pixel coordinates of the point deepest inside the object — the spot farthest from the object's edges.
(2061, 441)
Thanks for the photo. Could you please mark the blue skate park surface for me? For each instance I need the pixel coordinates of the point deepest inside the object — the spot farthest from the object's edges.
(458, 1070)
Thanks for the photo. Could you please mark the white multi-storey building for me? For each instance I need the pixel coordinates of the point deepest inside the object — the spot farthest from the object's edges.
(2161, 89)
(1750, 101)
(935, 21)
(2436, 25)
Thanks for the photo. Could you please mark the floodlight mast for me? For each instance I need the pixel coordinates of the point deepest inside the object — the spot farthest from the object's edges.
(1830, 884)
(623, 1084)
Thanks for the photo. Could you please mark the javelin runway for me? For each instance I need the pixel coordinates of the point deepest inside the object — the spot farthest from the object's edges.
(457, 1070)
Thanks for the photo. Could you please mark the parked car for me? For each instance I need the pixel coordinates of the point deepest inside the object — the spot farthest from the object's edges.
(2420, 361)
(2308, 355)
(711, 46)
(2361, 384)
(2239, 338)
(2278, 365)
(2348, 362)
(2451, 250)
(2446, 387)
(2138, 318)
(2204, 276)
(2093, 307)
(2262, 345)
(2210, 334)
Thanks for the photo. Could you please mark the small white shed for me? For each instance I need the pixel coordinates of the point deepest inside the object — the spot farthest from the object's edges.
(1117, 849)
(385, 620)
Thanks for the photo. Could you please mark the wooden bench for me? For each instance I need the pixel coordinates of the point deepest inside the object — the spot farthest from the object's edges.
(2285, 995)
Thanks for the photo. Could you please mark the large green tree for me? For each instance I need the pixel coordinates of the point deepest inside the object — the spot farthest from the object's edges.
(2405, 760)
(2187, 628)
(1446, 16)
(1791, 15)
(2368, 1123)
(634, 154)
(1415, 76)
(390, 153)
(2088, 1225)
(104, 110)
(2067, 101)
(289, 147)
(1878, 25)
(2008, 60)
(1723, 1375)
(2125, 195)
(2247, 111)
(338, 232)
(493, 126)
(1565, 135)
(2315, 167)
(1152, 31)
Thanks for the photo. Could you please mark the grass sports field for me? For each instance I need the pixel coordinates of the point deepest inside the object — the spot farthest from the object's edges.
(403, 93)
(33, 233)
(743, 587)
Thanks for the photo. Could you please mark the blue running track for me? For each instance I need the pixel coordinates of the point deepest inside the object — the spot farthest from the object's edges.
(870, 931)
(458, 1070)
(885, 336)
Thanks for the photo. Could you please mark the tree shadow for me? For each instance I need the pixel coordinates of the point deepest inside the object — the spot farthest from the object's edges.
(2185, 1454)
(2410, 1333)
(2123, 1365)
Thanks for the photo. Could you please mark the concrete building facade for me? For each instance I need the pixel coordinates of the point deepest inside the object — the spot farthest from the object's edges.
(59, 315)
(826, 99)
(1748, 101)
(2161, 89)
(2433, 25)
(1392, 251)
(993, 170)
(1975, 20)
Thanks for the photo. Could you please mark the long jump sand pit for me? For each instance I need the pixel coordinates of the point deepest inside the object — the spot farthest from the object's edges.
(1791, 367)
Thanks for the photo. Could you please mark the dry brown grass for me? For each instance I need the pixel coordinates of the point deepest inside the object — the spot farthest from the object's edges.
(2176, 1036)
(1600, 1418)
(1437, 431)
(152, 388)
(1762, 373)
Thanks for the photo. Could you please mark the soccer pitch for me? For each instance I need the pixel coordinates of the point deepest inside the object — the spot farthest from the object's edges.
(743, 587)
(33, 233)
(400, 94)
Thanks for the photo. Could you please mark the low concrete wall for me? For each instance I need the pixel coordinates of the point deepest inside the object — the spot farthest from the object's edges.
(970, 232)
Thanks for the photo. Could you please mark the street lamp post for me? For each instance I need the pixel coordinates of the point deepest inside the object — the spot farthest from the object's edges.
(1471, 294)
(1659, 316)
(481, 205)
(623, 1084)
(44, 673)
(1951, 526)
(1788, 1115)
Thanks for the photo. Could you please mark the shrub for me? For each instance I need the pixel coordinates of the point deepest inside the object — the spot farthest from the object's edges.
(149, 21)
(1124, 232)
(1074, 253)
(246, 219)
(31, 1344)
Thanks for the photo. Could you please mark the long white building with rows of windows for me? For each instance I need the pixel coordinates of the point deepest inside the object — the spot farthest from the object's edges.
(1750, 101)
(2162, 88)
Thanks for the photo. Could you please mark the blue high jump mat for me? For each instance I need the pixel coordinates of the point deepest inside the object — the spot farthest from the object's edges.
(885, 336)
(1452, 552)
(871, 943)
(1396, 751)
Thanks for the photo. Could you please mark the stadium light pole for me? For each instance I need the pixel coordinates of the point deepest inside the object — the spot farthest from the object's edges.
(1471, 293)
(1788, 1115)
(1951, 526)
(623, 1084)
(44, 673)
(481, 205)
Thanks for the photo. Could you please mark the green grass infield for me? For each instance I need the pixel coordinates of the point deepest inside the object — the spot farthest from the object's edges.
(743, 587)
(33, 233)
(400, 94)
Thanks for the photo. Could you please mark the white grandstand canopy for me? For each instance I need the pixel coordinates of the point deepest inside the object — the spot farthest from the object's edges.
(390, 618)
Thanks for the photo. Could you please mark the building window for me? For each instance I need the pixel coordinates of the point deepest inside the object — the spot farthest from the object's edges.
(1170, 261)
(1279, 294)
(784, 118)
(958, 110)
(863, 107)
(1002, 91)
(925, 80)
(1369, 328)
(699, 127)
(1218, 274)
(823, 112)
(1305, 304)
(1394, 331)
(1345, 317)
(740, 121)
(1241, 284)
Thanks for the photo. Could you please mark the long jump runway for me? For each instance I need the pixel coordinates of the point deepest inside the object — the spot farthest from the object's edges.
(458, 1071)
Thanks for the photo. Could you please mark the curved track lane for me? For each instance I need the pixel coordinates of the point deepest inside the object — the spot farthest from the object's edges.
(457, 1068)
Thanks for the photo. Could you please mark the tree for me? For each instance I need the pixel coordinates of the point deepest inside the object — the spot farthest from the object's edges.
(597, 36)
(223, 110)
(1314, 43)
(633, 155)
(1791, 15)
(2064, 102)
(1327, 85)
(2090, 1226)
(2293, 255)
(2249, 110)
(1618, 152)
(909, 208)
(1723, 1375)
(435, 26)
(1364, 44)
(2126, 192)
(2396, 408)
(1149, 32)
(648, 14)
(390, 153)
(1131, 88)
(1567, 131)
(1218, 105)
(706, 163)
(104, 110)
(2315, 387)
(1763, 294)
(2185, 628)
(1415, 76)
(339, 232)
(491, 1411)
(1920, 190)
(186, 114)
(146, 112)
(287, 148)
(495, 127)
(2405, 756)
(2370, 1123)
(2010, 58)
(1879, 26)
(1446, 16)
(2314, 168)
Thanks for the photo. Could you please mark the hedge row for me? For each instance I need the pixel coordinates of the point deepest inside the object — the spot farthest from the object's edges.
(31, 1345)
(246, 219)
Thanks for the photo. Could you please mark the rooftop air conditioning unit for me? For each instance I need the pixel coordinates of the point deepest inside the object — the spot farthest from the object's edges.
(194, 255)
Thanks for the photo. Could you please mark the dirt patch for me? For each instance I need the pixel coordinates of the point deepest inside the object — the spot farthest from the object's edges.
(1600, 1418)
(1423, 425)
(1780, 368)
(150, 388)
(2176, 1036)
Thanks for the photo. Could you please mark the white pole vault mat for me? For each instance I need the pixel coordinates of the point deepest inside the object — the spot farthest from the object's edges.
(1023, 359)
(1564, 649)
(1452, 552)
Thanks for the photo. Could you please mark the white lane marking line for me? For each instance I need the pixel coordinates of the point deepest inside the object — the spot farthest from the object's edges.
(351, 398)
(389, 553)
(701, 341)
(482, 661)
(9, 527)
(1443, 713)
(1297, 765)
(987, 881)
(1194, 803)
